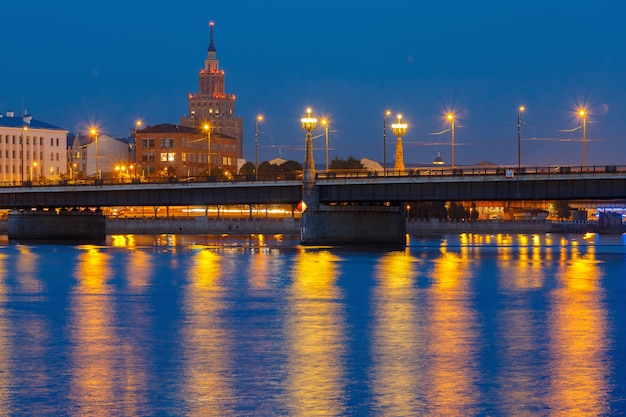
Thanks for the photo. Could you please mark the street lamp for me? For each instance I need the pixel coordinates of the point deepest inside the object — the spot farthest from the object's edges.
(450, 117)
(399, 129)
(309, 123)
(259, 118)
(207, 127)
(31, 171)
(583, 115)
(325, 123)
(94, 132)
(387, 113)
(519, 138)
(24, 129)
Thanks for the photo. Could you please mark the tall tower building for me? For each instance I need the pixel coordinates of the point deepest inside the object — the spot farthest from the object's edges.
(212, 105)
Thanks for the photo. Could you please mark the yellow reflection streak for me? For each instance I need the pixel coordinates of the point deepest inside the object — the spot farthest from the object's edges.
(397, 338)
(5, 345)
(452, 368)
(207, 347)
(578, 326)
(315, 332)
(93, 341)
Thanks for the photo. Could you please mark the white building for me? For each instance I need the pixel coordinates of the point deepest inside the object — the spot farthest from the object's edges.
(30, 150)
(112, 153)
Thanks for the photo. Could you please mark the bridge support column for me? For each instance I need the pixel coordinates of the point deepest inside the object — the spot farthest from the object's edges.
(610, 223)
(50, 225)
(372, 225)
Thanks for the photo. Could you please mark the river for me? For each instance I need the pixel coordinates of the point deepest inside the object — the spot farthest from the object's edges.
(459, 324)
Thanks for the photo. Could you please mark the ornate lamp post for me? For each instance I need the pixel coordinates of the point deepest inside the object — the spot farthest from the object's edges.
(583, 115)
(325, 124)
(450, 117)
(399, 129)
(387, 114)
(519, 138)
(94, 132)
(309, 123)
(207, 127)
(259, 118)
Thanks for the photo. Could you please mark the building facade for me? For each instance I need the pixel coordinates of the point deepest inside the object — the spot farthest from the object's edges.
(31, 150)
(168, 150)
(211, 104)
(113, 156)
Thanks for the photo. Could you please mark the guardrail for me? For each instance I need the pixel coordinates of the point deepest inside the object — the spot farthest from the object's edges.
(510, 172)
(504, 171)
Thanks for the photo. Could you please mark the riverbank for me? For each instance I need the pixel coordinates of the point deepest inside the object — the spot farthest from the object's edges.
(203, 225)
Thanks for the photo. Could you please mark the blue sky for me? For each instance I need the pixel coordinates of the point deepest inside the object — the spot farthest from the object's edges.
(110, 62)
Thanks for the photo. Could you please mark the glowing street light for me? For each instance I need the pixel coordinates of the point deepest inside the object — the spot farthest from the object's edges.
(309, 123)
(387, 114)
(325, 123)
(207, 127)
(583, 115)
(519, 138)
(399, 129)
(93, 131)
(259, 118)
(450, 117)
(31, 171)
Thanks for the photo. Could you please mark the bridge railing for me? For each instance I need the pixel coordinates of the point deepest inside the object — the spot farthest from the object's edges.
(504, 171)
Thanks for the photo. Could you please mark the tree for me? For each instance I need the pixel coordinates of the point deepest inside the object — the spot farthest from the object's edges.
(562, 210)
(456, 211)
(349, 163)
(247, 169)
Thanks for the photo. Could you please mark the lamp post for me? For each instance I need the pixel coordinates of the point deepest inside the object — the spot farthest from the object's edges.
(325, 124)
(31, 171)
(583, 115)
(259, 118)
(399, 129)
(24, 129)
(94, 132)
(309, 123)
(519, 138)
(450, 117)
(387, 113)
(207, 127)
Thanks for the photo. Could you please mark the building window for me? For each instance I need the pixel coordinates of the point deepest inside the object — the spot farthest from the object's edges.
(167, 143)
(147, 143)
(168, 156)
(52, 156)
(51, 142)
(57, 141)
(41, 141)
(147, 157)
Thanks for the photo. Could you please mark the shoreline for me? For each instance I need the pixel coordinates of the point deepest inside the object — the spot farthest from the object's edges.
(291, 226)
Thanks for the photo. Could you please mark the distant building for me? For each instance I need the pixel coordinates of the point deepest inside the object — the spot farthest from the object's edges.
(113, 156)
(173, 150)
(30, 149)
(212, 104)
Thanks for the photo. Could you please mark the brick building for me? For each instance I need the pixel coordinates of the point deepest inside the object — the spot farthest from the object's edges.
(211, 104)
(173, 150)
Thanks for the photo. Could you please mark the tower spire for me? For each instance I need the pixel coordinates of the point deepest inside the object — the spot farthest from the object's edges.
(211, 44)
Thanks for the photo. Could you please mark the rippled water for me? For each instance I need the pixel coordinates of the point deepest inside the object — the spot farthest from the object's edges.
(208, 325)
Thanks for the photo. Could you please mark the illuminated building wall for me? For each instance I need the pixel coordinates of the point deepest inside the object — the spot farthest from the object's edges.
(184, 149)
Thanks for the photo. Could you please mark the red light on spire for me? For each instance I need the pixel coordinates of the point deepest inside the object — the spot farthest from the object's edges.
(211, 23)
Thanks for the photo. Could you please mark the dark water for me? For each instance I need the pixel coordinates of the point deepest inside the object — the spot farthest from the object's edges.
(461, 325)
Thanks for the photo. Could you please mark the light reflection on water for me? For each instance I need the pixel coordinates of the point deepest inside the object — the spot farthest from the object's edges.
(205, 325)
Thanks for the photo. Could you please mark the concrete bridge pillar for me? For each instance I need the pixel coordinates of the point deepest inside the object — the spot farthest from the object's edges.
(57, 225)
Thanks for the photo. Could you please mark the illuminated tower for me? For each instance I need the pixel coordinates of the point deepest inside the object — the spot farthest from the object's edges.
(211, 105)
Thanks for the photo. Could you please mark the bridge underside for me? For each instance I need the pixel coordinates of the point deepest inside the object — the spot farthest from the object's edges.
(536, 189)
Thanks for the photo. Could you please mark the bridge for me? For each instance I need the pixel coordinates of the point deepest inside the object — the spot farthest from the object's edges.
(360, 188)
